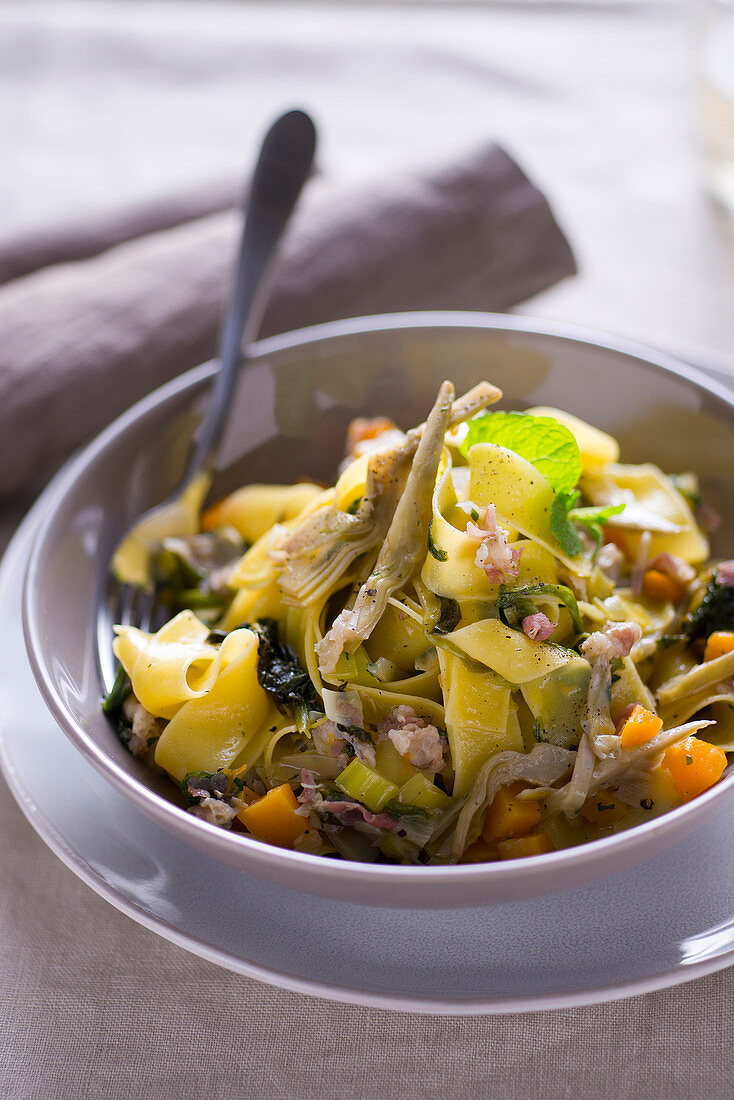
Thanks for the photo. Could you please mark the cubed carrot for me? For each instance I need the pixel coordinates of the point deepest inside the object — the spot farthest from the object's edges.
(718, 644)
(479, 852)
(508, 816)
(639, 725)
(604, 808)
(694, 766)
(660, 586)
(273, 818)
(521, 847)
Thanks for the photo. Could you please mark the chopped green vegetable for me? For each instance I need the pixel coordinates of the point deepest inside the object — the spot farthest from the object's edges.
(550, 446)
(714, 612)
(448, 618)
(118, 693)
(214, 783)
(280, 673)
(190, 571)
(416, 823)
(593, 519)
(616, 665)
(435, 551)
(561, 526)
(420, 792)
(520, 601)
(198, 598)
(366, 785)
(356, 732)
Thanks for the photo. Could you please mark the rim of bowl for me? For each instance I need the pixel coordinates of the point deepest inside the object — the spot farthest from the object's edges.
(254, 851)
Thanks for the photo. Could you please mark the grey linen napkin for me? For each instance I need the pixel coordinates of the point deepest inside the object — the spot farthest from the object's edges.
(81, 341)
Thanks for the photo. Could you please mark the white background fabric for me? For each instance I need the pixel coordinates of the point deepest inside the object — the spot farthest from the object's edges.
(108, 101)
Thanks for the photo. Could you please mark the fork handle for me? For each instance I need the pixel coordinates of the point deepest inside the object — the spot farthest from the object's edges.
(283, 166)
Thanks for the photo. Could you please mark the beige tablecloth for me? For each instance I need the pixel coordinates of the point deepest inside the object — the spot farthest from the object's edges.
(120, 100)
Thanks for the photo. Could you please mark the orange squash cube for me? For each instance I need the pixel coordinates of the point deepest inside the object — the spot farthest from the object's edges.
(273, 818)
(639, 725)
(479, 852)
(604, 808)
(661, 586)
(522, 847)
(507, 816)
(694, 766)
(718, 644)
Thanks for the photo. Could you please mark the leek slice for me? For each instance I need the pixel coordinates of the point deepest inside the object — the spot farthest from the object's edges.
(366, 785)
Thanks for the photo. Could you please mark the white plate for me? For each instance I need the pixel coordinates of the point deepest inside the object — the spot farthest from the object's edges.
(666, 921)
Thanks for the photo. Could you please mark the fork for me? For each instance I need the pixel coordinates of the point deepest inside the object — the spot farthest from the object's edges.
(283, 165)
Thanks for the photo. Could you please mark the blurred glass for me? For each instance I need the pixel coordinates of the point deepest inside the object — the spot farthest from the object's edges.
(715, 74)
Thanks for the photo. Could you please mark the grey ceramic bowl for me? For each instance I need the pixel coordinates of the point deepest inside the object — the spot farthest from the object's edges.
(292, 407)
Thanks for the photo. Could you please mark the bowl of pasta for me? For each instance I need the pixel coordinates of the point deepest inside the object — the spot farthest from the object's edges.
(453, 625)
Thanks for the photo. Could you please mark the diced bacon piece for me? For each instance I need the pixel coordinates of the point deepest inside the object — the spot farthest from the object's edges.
(538, 626)
(413, 737)
(351, 813)
(346, 812)
(494, 556)
(616, 640)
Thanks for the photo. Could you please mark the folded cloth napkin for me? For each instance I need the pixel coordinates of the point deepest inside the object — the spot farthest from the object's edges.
(80, 341)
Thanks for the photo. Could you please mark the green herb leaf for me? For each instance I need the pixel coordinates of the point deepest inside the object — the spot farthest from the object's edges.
(593, 519)
(280, 673)
(520, 597)
(119, 692)
(550, 446)
(714, 612)
(561, 526)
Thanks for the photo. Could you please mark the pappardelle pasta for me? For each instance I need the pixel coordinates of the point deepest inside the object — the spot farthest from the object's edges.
(490, 639)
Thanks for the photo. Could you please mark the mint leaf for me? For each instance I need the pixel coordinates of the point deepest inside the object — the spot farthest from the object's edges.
(593, 519)
(561, 525)
(550, 446)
